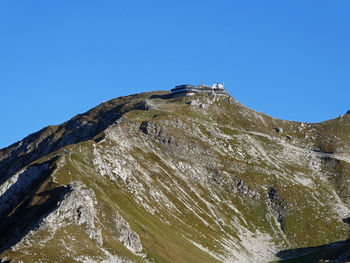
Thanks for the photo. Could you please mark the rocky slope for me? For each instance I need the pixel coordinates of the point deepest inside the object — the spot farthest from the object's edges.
(149, 178)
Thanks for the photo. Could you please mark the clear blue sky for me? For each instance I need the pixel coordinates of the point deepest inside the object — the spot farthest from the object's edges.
(58, 58)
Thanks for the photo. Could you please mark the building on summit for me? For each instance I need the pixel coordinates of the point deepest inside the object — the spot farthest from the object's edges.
(188, 90)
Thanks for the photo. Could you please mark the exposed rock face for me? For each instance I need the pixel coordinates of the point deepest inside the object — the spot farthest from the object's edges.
(189, 179)
(276, 205)
(12, 189)
(241, 188)
(127, 236)
(157, 132)
(76, 207)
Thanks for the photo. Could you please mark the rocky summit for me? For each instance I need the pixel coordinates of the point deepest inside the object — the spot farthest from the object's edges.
(155, 178)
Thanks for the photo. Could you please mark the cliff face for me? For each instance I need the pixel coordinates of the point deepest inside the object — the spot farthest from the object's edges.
(147, 178)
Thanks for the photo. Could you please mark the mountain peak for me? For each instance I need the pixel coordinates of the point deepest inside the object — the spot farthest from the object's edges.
(180, 176)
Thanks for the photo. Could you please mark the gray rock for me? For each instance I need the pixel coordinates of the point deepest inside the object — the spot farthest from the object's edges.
(14, 187)
(77, 206)
(241, 188)
(156, 131)
(278, 130)
(127, 236)
(276, 204)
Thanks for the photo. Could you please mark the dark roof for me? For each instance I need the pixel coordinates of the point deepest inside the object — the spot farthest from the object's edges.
(185, 86)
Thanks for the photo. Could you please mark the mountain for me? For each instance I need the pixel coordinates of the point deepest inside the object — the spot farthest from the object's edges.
(155, 178)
